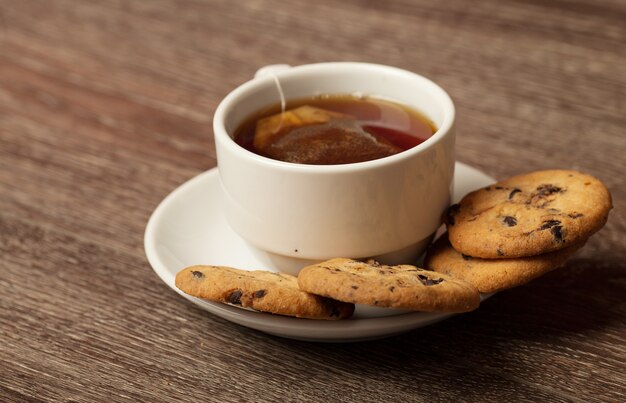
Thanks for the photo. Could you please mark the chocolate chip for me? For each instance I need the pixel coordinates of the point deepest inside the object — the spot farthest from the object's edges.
(436, 281)
(427, 281)
(499, 252)
(355, 287)
(260, 293)
(556, 232)
(451, 212)
(197, 274)
(516, 190)
(392, 288)
(235, 297)
(547, 189)
(509, 221)
(466, 257)
(549, 224)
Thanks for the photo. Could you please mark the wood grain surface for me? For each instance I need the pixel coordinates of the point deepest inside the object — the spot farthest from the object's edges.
(106, 107)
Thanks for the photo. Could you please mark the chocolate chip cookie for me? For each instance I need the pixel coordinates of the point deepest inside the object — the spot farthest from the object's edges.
(528, 215)
(492, 275)
(265, 291)
(404, 286)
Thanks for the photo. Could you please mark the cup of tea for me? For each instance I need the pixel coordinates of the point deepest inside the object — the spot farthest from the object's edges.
(336, 159)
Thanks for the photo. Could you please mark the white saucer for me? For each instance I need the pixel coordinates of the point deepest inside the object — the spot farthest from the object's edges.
(188, 228)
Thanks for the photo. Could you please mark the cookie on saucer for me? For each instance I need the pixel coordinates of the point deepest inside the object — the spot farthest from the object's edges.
(528, 215)
(493, 275)
(403, 287)
(264, 291)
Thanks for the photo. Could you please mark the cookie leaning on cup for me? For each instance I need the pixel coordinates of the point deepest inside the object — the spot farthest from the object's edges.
(264, 291)
(528, 215)
(403, 286)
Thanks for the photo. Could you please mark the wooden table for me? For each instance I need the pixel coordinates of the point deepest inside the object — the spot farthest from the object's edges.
(106, 107)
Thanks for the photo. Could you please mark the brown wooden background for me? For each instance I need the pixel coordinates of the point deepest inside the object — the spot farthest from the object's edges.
(106, 106)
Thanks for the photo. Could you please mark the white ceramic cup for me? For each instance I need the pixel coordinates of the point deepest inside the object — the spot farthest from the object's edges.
(293, 214)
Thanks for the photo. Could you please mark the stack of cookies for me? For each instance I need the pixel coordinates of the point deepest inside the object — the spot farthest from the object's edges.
(498, 237)
(509, 233)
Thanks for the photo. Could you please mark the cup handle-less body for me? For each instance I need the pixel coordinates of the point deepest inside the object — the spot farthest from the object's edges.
(296, 213)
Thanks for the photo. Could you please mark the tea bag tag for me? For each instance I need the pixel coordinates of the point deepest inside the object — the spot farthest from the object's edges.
(271, 69)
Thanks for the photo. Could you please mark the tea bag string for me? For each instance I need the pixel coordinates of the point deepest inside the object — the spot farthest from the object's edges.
(283, 104)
